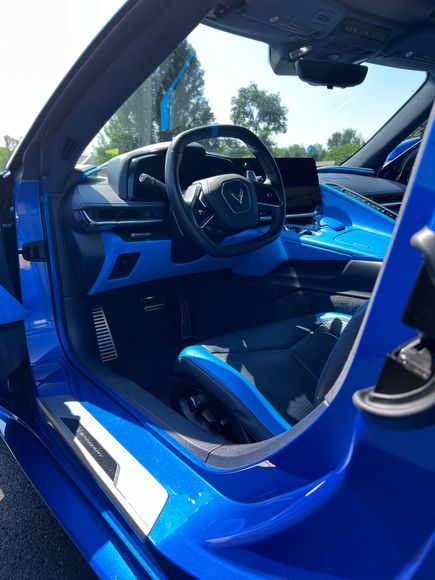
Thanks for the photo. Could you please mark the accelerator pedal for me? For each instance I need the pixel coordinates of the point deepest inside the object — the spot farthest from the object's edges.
(106, 346)
(185, 323)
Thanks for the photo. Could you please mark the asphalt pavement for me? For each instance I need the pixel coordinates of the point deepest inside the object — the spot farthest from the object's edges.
(32, 543)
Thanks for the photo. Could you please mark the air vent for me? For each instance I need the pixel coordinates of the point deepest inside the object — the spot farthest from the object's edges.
(145, 213)
(69, 149)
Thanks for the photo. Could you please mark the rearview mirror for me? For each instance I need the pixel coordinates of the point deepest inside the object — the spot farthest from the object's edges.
(316, 72)
(330, 74)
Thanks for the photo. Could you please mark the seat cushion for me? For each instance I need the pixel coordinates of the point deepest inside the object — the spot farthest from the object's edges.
(266, 375)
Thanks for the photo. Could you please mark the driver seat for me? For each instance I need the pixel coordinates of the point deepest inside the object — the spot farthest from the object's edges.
(271, 376)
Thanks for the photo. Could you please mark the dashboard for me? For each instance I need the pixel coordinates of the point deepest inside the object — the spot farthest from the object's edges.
(119, 228)
(385, 192)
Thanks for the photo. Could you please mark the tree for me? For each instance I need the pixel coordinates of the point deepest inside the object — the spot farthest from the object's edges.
(342, 152)
(261, 111)
(137, 122)
(345, 137)
(295, 150)
(10, 144)
(316, 151)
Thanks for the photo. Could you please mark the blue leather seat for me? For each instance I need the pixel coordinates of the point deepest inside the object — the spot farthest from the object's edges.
(271, 376)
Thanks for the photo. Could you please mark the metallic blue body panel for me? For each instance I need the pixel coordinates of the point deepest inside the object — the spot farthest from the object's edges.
(343, 497)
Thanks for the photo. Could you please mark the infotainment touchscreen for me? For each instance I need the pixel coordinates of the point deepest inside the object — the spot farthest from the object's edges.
(299, 175)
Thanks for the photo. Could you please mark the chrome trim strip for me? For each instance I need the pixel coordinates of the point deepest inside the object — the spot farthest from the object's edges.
(207, 221)
(299, 215)
(269, 204)
(102, 223)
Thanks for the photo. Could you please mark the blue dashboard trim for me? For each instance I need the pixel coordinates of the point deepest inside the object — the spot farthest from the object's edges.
(325, 316)
(352, 212)
(343, 169)
(365, 234)
(154, 262)
(239, 386)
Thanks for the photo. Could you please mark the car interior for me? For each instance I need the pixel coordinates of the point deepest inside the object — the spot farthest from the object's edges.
(222, 295)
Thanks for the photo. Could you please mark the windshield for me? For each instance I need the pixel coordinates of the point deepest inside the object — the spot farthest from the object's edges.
(217, 77)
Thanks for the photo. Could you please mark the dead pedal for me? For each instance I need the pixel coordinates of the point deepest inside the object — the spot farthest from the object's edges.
(106, 346)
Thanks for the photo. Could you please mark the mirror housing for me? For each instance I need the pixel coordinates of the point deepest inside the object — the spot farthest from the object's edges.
(330, 74)
(316, 72)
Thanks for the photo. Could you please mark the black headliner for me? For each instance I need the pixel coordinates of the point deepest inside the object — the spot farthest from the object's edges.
(398, 33)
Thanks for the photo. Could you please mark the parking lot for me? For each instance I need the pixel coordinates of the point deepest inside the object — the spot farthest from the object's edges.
(32, 543)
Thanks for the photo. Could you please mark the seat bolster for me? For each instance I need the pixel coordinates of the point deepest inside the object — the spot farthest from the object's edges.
(229, 387)
(339, 354)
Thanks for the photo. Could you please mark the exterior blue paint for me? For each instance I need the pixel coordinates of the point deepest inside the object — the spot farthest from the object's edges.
(344, 496)
(76, 502)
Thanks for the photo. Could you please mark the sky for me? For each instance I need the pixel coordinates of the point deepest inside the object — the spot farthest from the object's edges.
(38, 49)
(39, 42)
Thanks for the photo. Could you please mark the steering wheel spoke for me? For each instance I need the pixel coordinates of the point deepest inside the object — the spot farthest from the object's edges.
(202, 211)
(267, 195)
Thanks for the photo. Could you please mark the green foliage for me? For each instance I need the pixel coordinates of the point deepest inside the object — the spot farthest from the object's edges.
(4, 157)
(260, 111)
(341, 152)
(137, 121)
(346, 137)
(419, 132)
(317, 151)
(10, 144)
(295, 150)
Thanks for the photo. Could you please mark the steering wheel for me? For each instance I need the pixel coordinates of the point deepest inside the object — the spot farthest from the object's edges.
(217, 207)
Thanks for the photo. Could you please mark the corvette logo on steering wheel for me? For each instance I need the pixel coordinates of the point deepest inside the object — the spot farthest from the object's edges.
(238, 196)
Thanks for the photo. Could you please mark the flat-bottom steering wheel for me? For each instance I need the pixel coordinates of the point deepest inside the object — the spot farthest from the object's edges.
(223, 205)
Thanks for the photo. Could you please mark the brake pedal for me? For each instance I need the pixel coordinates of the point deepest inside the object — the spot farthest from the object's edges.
(153, 303)
(185, 323)
(106, 346)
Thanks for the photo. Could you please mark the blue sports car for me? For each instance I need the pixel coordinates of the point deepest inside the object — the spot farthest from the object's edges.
(217, 289)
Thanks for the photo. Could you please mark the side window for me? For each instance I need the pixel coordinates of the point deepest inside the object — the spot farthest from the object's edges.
(419, 131)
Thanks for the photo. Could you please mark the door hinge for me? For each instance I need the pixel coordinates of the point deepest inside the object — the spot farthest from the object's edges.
(34, 251)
